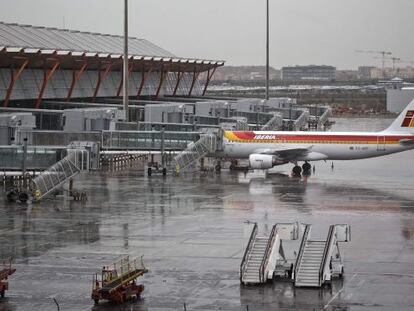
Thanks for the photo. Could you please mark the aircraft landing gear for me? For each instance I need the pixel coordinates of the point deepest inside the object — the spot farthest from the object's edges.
(306, 166)
(296, 171)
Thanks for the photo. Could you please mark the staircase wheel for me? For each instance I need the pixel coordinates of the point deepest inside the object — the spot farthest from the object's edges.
(23, 197)
(96, 301)
(11, 196)
(341, 274)
(149, 171)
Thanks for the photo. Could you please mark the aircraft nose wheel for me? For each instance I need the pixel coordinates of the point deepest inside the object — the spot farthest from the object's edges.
(296, 171)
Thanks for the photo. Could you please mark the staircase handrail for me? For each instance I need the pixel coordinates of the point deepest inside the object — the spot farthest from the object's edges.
(203, 147)
(265, 259)
(247, 251)
(325, 115)
(330, 241)
(270, 124)
(301, 249)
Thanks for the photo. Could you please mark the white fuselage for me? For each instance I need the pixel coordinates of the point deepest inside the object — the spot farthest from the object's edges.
(333, 145)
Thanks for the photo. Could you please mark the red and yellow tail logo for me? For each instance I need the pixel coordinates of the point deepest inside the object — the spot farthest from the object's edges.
(409, 119)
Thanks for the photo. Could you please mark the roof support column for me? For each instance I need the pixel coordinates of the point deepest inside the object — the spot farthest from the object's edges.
(162, 78)
(144, 77)
(195, 77)
(121, 84)
(75, 78)
(46, 78)
(102, 74)
(209, 76)
(180, 76)
(13, 78)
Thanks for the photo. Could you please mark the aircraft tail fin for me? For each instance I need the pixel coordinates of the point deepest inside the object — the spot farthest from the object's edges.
(404, 123)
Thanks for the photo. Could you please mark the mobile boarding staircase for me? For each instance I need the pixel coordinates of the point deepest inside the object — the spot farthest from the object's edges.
(195, 151)
(318, 261)
(274, 124)
(50, 180)
(265, 256)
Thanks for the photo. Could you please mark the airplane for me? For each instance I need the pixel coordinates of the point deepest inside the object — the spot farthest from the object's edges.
(266, 149)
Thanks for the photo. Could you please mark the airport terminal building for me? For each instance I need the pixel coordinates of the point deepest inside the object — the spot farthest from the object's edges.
(39, 63)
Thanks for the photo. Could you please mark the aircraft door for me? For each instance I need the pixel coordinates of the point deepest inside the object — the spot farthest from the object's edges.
(381, 143)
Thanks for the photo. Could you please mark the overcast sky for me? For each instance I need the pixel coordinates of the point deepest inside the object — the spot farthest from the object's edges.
(302, 31)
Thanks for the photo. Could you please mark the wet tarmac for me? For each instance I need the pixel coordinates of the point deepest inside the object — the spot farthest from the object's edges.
(191, 232)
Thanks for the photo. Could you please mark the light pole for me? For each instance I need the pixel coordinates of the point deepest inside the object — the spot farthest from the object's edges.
(267, 49)
(126, 72)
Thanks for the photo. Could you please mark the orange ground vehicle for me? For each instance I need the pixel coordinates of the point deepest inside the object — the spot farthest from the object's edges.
(5, 271)
(118, 281)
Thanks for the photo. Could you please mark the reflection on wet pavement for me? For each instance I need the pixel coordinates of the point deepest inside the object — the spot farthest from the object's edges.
(191, 232)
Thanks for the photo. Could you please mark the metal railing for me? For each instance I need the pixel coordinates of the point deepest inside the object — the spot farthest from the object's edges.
(302, 249)
(265, 259)
(247, 251)
(330, 241)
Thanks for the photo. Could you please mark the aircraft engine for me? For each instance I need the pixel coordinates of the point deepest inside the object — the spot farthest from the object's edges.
(262, 161)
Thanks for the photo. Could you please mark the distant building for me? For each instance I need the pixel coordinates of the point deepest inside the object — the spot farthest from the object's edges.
(244, 73)
(366, 72)
(346, 75)
(405, 72)
(309, 73)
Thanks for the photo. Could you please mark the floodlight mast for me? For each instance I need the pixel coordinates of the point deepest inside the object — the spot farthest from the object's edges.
(125, 67)
(267, 49)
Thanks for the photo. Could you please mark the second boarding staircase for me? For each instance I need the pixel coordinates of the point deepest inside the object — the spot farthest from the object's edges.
(54, 177)
(274, 124)
(195, 151)
(263, 254)
(320, 260)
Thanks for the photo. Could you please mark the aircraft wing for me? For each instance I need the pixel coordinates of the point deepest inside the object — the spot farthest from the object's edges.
(293, 154)
(288, 154)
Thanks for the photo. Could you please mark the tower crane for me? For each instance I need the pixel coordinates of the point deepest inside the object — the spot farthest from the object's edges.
(382, 53)
(393, 59)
